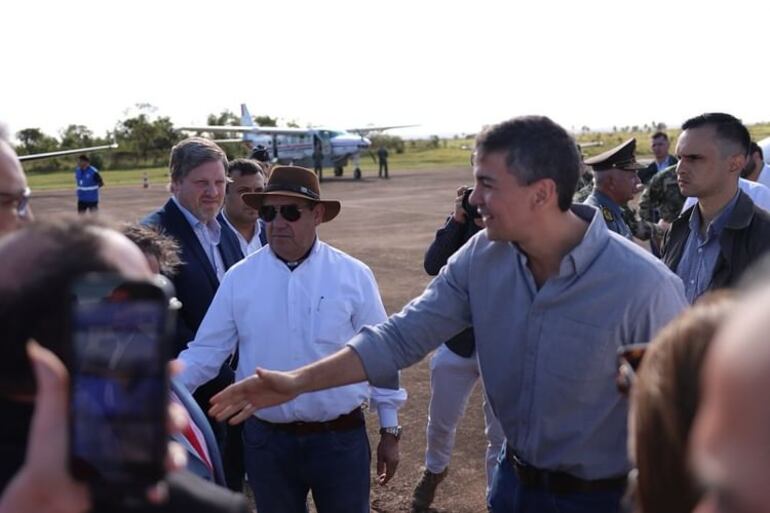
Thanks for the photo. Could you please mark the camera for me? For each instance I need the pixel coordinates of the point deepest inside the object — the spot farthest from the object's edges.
(121, 344)
(470, 210)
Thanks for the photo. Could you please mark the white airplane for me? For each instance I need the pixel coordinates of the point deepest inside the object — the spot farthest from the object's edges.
(50, 154)
(298, 145)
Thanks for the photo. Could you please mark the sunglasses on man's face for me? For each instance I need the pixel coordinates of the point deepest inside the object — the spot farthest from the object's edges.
(629, 359)
(290, 213)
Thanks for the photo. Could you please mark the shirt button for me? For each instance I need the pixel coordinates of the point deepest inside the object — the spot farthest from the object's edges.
(692, 282)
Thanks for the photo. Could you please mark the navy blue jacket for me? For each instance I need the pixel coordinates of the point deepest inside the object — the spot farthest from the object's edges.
(196, 282)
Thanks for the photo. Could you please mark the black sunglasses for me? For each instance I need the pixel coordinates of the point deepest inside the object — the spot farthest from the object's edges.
(289, 212)
(629, 359)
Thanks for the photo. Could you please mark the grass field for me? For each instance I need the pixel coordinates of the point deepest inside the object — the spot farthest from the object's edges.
(417, 155)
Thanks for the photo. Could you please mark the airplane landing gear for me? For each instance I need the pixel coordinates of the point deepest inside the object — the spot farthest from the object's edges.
(357, 173)
(338, 171)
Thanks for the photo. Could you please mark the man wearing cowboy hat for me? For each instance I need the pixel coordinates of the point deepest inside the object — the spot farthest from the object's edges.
(294, 301)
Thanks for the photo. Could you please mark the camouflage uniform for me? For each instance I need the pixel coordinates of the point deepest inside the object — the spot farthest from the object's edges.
(585, 187)
(662, 198)
(641, 229)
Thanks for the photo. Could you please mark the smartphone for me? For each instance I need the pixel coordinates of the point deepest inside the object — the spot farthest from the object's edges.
(121, 344)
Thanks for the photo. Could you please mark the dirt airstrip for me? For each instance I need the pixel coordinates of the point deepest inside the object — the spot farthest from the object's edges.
(387, 224)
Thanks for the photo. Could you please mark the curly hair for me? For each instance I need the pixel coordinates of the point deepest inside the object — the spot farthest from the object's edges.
(154, 242)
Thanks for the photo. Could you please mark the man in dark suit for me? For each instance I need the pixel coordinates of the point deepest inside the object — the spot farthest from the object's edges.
(197, 167)
(663, 159)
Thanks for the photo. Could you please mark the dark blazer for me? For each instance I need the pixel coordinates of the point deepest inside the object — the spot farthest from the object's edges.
(646, 174)
(226, 227)
(196, 282)
(450, 238)
(744, 239)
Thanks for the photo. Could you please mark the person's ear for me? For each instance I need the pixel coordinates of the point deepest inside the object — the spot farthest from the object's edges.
(736, 163)
(544, 192)
(318, 213)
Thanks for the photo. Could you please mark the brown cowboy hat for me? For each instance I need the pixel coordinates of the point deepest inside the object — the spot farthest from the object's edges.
(295, 182)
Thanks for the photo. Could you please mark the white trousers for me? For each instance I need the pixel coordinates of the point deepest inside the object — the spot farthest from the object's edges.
(452, 379)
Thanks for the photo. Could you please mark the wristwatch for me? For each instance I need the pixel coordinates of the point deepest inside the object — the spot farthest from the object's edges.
(395, 431)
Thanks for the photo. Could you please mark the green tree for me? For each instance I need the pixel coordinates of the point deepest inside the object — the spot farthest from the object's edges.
(146, 138)
(265, 121)
(225, 118)
(76, 136)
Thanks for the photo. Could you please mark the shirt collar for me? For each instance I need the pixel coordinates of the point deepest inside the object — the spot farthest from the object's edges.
(718, 223)
(294, 265)
(594, 240)
(257, 228)
(212, 226)
(596, 237)
(608, 202)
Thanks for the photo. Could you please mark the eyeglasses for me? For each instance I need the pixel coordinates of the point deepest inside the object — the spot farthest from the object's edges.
(629, 359)
(290, 213)
(19, 201)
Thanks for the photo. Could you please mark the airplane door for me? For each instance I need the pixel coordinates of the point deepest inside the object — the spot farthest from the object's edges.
(326, 144)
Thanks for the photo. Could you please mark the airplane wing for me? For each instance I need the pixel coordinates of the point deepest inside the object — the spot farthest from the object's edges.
(36, 156)
(269, 130)
(368, 129)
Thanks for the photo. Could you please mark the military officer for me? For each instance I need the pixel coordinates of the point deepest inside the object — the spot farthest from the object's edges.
(616, 182)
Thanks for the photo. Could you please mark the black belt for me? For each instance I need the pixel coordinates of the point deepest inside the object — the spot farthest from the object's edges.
(346, 422)
(560, 482)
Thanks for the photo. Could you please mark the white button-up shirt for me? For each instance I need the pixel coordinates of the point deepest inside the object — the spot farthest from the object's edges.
(247, 247)
(208, 235)
(282, 319)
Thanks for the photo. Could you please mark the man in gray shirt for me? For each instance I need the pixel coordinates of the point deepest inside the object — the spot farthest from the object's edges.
(551, 294)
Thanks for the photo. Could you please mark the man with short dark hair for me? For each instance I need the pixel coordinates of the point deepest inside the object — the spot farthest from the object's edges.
(545, 288)
(293, 302)
(87, 182)
(712, 243)
(245, 176)
(663, 159)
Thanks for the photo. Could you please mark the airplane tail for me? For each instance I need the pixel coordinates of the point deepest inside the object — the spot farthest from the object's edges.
(251, 139)
(246, 119)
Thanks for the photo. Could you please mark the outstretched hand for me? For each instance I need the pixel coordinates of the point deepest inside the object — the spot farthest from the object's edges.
(266, 388)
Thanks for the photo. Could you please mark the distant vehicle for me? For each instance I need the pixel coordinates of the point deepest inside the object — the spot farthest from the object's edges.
(298, 146)
(51, 154)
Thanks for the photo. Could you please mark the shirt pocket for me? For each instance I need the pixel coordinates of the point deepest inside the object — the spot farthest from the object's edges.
(578, 351)
(334, 324)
